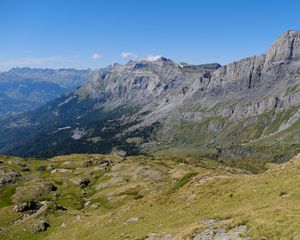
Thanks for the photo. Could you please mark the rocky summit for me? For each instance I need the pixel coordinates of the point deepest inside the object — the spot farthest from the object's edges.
(245, 109)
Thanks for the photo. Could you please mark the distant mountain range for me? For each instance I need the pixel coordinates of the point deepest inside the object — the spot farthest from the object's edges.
(24, 89)
(246, 109)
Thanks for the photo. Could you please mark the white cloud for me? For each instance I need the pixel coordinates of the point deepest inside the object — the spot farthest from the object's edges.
(152, 58)
(96, 56)
(128, 54)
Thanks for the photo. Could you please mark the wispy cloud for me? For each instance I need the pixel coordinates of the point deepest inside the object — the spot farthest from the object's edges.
(151, 58)
(128, 55)
(96, 56)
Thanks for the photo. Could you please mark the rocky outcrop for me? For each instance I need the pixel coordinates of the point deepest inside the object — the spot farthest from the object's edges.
(27, 206)
(286, 48)
(84, 182)
(236, 233)
(8, 176)
(33, 190)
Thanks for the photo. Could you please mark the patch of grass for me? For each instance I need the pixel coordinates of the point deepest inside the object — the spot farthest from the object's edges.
(291, 90)
(279, 119)
(104, 202)
(5, 196)
(71, 200)
(70, 196)
(134, 140)
(184, 180)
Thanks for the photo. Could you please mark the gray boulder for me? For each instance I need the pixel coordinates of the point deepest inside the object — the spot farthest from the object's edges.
(8, 176)
(84, 182)
(40, 226)
(27, 206)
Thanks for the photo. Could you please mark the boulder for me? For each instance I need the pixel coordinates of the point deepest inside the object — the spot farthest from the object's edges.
(27, 206)
(41, 168)
(40, 226)
(7, 177)
(211, 233)
(13, 174)
(84, 182)
(88, 163)
(50, 167)
(106, 162)
(25, 169)
(32, 190)
(132, 220)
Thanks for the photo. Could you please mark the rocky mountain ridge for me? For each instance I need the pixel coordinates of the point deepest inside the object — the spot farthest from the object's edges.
(242, 109)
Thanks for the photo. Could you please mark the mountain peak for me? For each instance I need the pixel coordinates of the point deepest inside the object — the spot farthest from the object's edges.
(291, 32)
(144, 63)
(285, 48)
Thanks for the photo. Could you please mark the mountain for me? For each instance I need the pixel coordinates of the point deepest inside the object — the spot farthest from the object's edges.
(24, 89)
(248, 109)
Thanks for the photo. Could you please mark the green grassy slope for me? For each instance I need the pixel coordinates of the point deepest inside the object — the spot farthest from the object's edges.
(272, 136)
(134, 197)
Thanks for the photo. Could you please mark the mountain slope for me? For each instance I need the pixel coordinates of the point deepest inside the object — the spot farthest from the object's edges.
(111, 197)
(24, 89)
(246, 109)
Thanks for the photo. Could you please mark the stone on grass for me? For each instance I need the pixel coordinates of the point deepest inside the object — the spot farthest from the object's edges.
(40, 226)
(84, 182)
(41, 168)
(27, 206)
(87, 163)
(132, 220)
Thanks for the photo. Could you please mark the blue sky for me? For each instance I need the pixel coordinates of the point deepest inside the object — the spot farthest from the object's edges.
(93, 34)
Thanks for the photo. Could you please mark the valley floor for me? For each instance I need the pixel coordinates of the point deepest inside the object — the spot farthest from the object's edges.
(112, 197)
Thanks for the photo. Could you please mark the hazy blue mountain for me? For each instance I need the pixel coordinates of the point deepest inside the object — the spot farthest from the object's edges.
(23, 89)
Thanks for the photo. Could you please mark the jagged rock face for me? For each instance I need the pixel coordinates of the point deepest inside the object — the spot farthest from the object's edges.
(156, 87)
(142, 82)
(258, 83)
(286, 48)
(142, 103)
(165, 83)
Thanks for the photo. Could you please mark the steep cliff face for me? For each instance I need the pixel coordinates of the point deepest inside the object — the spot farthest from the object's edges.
(259, 83)
(286, 48)
(240, 109)
(250, 106)
(143, 82)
